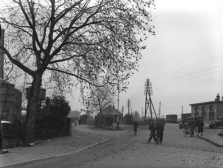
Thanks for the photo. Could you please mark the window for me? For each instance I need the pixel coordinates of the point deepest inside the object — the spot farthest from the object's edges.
(196, 112)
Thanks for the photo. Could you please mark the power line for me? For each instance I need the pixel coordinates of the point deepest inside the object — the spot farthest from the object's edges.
(191, 67)
(185, 78)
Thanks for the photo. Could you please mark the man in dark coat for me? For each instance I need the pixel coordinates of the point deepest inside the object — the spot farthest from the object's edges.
(192, 127)
(152, 128)
(135, 127)
(159, 132)
(200, 127)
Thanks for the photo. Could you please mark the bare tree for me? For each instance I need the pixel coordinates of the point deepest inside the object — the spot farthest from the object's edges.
(99, 98)
(74, 41)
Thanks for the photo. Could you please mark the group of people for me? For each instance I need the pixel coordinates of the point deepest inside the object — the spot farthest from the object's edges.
(156, 131)
(192, 127)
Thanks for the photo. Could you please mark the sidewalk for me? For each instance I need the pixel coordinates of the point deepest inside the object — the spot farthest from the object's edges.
(211, 135)
(81, 139)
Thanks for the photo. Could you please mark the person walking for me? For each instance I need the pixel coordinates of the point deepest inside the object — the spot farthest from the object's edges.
(192, 126)
(159, 132)
(152, 129)
(135, 127)
(200, 127)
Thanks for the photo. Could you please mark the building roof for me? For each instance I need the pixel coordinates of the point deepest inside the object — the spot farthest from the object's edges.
(111, 110)
(74, 114)
(210, 102)
(171, 115)
(217, 101)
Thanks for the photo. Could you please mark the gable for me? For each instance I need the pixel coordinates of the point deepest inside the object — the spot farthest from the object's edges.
(110, 110)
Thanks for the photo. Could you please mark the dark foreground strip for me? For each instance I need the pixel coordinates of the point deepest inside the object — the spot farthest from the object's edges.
(54, 156)
(208, 140)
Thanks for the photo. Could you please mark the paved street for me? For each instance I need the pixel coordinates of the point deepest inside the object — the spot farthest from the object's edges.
(176, 151)
(125, 150)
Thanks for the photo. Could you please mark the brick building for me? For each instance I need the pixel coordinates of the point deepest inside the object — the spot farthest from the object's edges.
(10, 98)
(208, 110)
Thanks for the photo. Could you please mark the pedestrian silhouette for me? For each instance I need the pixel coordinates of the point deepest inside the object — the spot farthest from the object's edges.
(200, 127)
(192, 127)
(135, 127)
(152, 129)
(159, 132)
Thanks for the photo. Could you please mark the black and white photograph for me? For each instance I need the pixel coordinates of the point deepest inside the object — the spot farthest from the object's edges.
(111, 84)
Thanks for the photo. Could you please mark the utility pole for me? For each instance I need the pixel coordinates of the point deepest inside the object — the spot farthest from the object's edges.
(148, 100)
(159, 110)
(118, 95)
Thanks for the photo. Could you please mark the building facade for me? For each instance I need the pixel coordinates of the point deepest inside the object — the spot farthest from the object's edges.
(171, 118)
(10, 102)
(208, 110)
(117, 116)
(10, 98)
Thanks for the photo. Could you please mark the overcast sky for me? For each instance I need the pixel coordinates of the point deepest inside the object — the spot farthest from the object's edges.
(184, 61)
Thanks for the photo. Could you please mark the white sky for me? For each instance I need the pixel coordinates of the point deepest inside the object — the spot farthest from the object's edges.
(184, 61)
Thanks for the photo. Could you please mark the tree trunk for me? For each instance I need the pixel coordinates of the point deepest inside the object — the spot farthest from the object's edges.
(33, 103)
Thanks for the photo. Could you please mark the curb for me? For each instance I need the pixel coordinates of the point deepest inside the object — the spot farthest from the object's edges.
(208, 140)
(49, 157)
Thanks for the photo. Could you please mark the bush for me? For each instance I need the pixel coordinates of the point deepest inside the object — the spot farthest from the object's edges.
(53, 112)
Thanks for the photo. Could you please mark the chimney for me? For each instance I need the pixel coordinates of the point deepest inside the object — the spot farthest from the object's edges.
(1, 54)
(217, 97)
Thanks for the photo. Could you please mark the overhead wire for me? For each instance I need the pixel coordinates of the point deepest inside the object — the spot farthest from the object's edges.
(193, 71)
(190, 67)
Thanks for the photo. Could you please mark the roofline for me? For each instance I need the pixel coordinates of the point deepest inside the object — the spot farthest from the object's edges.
(111, 107)
(211, 102)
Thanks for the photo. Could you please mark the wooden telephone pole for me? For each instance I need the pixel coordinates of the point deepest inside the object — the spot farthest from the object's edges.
(148, 101)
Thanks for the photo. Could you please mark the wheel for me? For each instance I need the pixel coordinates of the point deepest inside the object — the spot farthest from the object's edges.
(185, 132)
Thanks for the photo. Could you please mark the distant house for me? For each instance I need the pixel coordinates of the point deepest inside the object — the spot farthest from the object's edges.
(171, 118)
(211, 110)
(184, 116)
(74, 115)
(128, 119)
(117, 115)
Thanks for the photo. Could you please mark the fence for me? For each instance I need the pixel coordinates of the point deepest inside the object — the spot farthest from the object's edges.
(13, 136)
(52, 131)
